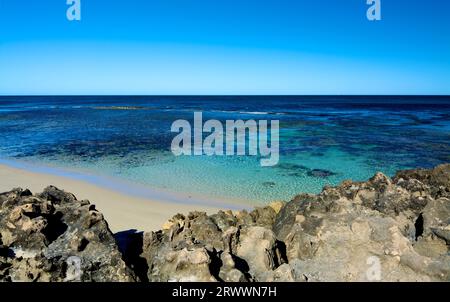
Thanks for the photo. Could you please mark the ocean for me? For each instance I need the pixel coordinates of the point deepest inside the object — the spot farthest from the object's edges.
(323, 140)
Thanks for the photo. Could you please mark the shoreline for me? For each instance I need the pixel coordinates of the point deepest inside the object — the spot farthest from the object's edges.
(402, 223)
(122, 210)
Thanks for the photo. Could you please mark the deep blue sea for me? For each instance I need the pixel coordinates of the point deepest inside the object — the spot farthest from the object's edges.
(323, 140)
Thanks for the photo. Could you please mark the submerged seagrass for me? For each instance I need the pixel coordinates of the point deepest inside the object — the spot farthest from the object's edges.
(403, 222)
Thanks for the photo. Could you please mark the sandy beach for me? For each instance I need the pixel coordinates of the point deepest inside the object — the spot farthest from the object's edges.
(122, 211)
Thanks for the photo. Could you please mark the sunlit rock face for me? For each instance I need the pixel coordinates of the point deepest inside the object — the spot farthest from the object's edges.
(52, 236)
(380, 230)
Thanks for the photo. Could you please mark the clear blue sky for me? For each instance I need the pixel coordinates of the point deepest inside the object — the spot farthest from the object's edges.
(224, 47)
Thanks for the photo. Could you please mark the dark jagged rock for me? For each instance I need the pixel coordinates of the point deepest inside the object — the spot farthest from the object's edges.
(52, 236)
(436, 181)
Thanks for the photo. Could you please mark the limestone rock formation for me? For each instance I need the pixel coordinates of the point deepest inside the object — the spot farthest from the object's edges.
(54, 237)
(380, 230)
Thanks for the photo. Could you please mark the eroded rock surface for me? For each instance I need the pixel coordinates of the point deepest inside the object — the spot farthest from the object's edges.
(380, 230)
(52, 236)
(383, 229)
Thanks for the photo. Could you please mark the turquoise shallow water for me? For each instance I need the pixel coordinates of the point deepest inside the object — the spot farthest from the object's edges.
(323, 140)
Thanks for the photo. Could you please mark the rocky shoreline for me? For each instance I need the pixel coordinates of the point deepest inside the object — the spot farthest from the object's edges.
(380, 230)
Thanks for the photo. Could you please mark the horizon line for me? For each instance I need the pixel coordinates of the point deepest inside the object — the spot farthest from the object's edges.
(226, 95)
